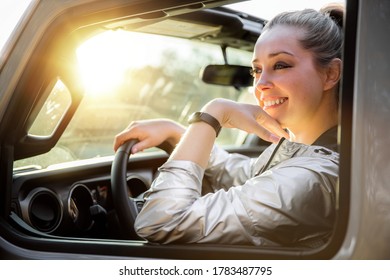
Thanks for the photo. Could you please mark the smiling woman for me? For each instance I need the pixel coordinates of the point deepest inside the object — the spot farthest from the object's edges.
(56, 141)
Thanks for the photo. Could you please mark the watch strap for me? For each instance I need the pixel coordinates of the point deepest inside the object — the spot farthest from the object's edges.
(206, 118)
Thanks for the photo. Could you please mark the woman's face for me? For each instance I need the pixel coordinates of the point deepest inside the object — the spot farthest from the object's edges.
(288, 85)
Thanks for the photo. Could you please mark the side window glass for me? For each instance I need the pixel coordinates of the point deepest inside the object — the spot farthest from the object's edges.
(52, 111)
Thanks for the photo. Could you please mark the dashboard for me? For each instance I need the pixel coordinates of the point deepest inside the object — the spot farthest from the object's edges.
(74, 201)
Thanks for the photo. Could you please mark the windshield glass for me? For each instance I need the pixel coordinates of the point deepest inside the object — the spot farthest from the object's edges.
(11, 12)
(131, 76)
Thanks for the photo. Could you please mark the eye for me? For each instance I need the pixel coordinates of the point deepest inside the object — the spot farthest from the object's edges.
(281, 65)
(255, 72)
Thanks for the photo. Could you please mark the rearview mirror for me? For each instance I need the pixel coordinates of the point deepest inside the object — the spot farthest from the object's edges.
(227, 75)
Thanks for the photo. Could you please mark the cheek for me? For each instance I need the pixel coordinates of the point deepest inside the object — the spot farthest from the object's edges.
(257, 96)
(304, 88)
(307, 96)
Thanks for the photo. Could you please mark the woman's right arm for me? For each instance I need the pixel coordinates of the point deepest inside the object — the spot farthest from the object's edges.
(224, 169)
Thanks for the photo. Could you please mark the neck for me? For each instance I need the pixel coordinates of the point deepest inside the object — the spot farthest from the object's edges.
(316, 126)
(309, 137)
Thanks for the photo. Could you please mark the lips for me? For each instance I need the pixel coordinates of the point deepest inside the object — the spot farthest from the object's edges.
(269, 103)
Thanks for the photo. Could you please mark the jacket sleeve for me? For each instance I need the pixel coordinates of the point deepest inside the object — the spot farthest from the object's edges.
(227, 169)
(284, 205)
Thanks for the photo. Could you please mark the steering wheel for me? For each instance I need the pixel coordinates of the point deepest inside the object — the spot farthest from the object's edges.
(125, 206)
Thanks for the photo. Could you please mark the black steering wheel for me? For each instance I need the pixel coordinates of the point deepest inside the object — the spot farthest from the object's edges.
(124, 202)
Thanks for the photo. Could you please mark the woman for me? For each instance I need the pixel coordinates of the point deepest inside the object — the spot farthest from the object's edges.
(287, 195)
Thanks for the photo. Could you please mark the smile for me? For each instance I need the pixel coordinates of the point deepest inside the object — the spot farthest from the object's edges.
(278, 101)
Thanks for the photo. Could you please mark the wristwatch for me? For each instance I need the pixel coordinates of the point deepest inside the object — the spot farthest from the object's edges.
(207, 118)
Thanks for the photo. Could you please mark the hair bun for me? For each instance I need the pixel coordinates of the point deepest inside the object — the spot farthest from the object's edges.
(335, 12)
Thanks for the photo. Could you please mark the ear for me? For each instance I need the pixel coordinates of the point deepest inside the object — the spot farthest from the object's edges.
(333, 74)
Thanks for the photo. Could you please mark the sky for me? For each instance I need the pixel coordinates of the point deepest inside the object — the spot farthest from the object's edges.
(11, 10)
(266, 9)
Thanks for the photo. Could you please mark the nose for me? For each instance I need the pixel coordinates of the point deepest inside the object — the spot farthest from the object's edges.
(263, 82)
(261, 85)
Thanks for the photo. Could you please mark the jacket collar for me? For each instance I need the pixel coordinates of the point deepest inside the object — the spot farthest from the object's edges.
(328, 139)
(285, 149)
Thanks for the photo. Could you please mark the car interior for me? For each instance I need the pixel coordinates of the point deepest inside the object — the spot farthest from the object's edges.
(69, 189)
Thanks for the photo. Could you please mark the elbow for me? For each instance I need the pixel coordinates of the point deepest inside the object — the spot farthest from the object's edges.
(151, 231)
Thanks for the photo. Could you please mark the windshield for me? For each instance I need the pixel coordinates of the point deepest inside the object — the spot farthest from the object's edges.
(130, 76)
(11, 12)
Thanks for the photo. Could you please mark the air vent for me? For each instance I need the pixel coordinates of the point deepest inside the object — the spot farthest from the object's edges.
(42, 210)
(136, 185)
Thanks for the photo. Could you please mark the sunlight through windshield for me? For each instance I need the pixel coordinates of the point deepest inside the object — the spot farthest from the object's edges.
(103, 71)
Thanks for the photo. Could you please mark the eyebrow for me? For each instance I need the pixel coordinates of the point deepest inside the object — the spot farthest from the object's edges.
(271, 55)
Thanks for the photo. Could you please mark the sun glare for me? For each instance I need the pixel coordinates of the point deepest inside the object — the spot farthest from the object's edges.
(103, 61)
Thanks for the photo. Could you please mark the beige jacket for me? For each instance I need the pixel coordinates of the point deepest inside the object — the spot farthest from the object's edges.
(284, 197)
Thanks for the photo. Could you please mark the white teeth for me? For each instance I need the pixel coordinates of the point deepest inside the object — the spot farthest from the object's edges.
(273, 102)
